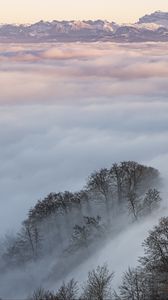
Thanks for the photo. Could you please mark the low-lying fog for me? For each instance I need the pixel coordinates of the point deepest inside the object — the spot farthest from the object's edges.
(69, 109)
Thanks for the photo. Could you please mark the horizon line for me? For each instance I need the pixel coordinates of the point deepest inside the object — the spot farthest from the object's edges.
(76, 20)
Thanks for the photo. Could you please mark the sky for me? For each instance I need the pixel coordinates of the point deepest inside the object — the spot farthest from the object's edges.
(26, 11)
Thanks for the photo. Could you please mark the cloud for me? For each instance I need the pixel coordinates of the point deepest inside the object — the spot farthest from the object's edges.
(75, 108)
(70, 109)
(47, 74)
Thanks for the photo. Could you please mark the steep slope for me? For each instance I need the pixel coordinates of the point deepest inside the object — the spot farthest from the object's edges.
(64, 230)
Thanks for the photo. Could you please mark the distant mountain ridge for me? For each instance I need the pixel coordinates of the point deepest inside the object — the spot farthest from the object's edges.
(157, 17)
(152, 27)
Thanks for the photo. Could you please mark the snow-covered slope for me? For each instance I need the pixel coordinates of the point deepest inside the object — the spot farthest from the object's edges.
(158, 17)
(152, 27)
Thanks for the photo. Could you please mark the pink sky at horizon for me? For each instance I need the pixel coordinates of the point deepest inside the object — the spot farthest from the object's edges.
(24, 11)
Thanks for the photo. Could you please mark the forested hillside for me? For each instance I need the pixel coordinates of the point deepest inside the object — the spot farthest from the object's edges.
(149, 281)
(64, 229)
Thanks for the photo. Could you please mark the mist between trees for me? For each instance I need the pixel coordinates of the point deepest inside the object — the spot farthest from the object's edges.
(64, 229)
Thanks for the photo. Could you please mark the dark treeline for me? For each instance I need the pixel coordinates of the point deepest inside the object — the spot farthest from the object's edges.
(69, 226)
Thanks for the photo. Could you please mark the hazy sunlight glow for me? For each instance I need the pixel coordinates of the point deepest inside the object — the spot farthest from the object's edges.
(24, 11)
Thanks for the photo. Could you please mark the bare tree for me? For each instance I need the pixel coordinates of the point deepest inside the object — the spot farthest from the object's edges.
(138, 177)
(68, 291)
(98, 286)
(100, 182)
(151, 201)
(41, 294)
(118, 176)
(83, 235)
(139, 206)
(156, 248)
(134, 205)
(133, 286)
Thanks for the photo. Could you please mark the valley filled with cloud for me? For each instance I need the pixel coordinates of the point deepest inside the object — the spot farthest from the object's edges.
(69, 109)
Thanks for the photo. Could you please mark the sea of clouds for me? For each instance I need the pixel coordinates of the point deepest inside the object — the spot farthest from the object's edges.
(69, 109)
